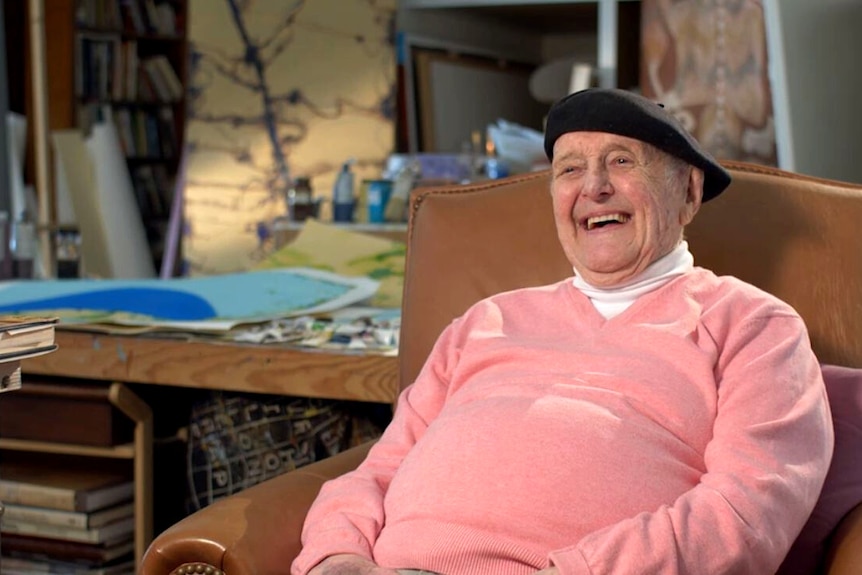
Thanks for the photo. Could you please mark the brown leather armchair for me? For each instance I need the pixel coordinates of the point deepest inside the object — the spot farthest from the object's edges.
(794, 236)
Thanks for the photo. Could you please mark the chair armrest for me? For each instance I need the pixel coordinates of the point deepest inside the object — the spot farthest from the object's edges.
(256, 531)
(844, 552)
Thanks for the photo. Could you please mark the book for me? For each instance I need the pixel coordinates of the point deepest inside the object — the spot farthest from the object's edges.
(30, 565)
(40, 484)
(10, 375)
(23, 415)
(22, 334)
(108, 532)
(88, 554)
(59, 518)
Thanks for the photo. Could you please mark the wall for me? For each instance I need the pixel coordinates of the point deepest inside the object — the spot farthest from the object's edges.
(460, 30)
(817, 78)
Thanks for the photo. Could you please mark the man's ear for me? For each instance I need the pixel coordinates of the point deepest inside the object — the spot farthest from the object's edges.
(693, 196)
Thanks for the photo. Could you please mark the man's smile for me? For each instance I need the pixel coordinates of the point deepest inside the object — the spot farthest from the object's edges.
(603, 220)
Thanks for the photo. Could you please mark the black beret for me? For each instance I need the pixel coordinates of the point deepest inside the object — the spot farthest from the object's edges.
(628, 114)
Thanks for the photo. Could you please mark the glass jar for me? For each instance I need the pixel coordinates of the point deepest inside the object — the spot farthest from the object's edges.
(300, 200)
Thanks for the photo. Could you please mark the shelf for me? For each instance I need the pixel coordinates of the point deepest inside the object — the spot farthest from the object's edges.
(150, 159)
(351, 226)
(139, 452)
(410, 4)
(615, 25)
(128, 35)
(124, 451)
(285, 231)
(129, 60)
(85, 100)
(546, 17)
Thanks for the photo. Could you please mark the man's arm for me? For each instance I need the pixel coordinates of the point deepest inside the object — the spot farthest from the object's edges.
(347, 514)
(765, 466)
(349, 565)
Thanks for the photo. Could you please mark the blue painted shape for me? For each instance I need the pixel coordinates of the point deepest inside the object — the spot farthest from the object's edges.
(169, 304)
(239, 296)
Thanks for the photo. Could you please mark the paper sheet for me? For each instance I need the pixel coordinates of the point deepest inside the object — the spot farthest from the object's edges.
(348, 253)
(75, 173)
(128, 249)
(16, 137)
(198, 304)
(94, 172)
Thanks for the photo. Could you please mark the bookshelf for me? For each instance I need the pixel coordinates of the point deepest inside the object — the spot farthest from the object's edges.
(139, 452)
(125, 61)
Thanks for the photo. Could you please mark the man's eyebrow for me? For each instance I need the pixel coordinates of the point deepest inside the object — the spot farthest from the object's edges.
(634, 147)
(568, 156)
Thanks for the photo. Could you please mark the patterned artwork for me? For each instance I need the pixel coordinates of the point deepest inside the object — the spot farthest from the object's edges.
(279, 89)
(237, 441)
(240, 440)
(707, 61)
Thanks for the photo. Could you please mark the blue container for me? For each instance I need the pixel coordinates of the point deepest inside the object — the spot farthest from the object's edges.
(377, 194)
(496, 169)
(342, 212)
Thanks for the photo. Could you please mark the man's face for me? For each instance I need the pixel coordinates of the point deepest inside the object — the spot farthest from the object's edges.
(619, 204)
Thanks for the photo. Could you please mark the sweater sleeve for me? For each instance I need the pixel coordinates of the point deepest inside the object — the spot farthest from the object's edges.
(765, 466)
(347, 515)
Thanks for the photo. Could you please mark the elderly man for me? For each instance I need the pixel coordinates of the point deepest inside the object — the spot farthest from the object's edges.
(643, 417)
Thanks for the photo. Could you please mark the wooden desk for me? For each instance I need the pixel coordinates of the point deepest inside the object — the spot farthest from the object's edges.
(271, 369)
(274, 369)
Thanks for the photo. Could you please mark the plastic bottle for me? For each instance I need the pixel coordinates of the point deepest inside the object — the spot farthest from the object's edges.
(23, 246)
(343, 199)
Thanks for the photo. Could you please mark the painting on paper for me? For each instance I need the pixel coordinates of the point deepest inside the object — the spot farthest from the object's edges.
(279, 89)
(706, 60)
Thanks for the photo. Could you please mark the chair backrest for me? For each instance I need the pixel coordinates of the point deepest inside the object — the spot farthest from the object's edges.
(792, 235)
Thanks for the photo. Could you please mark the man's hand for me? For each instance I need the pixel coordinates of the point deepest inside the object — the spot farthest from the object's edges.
(548, 571)
(349, 565)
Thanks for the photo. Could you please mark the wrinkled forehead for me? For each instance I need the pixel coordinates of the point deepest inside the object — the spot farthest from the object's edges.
(585, 145)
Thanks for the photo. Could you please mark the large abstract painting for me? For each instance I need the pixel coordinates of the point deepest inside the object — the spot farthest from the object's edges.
(707, 61)
(279, 89)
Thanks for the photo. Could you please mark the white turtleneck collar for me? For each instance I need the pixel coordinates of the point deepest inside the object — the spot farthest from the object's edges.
(611, 302)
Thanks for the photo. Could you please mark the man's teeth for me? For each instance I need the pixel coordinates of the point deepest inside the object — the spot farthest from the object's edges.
(596, 220)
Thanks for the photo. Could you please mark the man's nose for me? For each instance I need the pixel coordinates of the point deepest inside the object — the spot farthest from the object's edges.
(597, 185)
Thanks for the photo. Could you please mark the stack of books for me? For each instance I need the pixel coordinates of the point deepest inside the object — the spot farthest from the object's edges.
(65, 520)
(22, 337)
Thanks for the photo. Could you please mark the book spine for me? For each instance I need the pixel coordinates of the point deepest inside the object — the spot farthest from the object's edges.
(45, 516)
(11, 381)
(37, 495)
(50, 531)
(27, 566)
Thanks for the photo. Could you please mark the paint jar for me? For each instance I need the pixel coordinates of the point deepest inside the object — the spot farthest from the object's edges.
(68, 245)
(495, 168)
(300, 200)
(377, 194)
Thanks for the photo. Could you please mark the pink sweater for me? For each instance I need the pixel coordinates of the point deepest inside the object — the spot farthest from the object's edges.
(689, 435)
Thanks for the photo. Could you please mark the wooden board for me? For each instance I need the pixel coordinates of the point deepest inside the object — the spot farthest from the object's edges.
(224, 366)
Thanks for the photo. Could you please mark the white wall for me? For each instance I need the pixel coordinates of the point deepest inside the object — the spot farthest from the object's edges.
(463, 31)
(817, 102)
